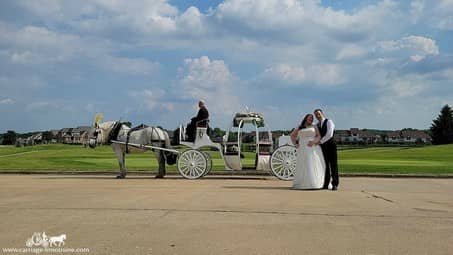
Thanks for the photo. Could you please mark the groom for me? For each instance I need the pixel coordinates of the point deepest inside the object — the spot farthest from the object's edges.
(329, 149)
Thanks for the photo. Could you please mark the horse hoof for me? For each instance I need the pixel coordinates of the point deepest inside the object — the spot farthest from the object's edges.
(159, 177)
(120, 177)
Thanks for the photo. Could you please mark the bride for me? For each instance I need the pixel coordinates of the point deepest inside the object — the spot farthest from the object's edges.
(310, 165)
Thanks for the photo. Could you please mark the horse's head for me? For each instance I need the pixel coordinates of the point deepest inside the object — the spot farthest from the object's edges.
(95, 133)
(94, 136)
(99, 133)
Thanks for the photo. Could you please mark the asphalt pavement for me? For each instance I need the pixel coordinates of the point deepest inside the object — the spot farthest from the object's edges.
(218, 215)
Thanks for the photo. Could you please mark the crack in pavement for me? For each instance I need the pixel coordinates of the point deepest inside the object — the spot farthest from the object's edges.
(430, 210)
(378, 197)
(170, 210)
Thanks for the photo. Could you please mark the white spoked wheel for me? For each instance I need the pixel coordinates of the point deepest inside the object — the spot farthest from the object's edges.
(283, 162)
(209, 161)
(192, 164)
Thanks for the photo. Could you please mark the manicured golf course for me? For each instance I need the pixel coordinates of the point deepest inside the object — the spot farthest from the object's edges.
(72, 158)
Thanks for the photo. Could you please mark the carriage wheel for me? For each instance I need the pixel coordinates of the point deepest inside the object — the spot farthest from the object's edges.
(209, 161)
(192, 164)
(283, 162)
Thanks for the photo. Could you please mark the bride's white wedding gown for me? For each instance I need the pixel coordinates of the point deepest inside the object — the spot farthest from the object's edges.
(310, 165)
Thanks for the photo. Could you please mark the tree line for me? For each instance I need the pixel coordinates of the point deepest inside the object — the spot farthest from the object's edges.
(441, 130)
(10, 137)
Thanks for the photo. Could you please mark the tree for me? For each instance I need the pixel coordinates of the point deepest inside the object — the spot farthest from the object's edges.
(47, 136)
(9, 137)
(442, 127)
(217, 132)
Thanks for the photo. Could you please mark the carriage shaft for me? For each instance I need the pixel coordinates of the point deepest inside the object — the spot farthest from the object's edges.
(149, 147)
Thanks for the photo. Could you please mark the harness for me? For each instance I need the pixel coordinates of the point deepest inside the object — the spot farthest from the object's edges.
(115, 131)
(140, 127)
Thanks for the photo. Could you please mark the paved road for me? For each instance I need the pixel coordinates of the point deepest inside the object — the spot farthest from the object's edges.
(229, 216)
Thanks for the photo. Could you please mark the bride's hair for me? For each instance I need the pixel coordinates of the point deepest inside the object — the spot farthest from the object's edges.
(304, 121)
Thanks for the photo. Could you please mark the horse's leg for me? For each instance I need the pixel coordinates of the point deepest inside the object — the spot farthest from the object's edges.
(161, 160)
(121, 160)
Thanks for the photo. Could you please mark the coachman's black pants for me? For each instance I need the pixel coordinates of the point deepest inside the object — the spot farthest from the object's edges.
(329, 151)
(190, 131)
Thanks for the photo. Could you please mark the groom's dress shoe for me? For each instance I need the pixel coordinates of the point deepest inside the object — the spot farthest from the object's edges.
(334, 188)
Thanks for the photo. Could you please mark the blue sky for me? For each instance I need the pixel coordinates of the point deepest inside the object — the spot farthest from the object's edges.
(368, 64)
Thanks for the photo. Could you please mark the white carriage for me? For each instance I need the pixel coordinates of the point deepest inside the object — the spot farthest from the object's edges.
(195, 163)
(261, 144)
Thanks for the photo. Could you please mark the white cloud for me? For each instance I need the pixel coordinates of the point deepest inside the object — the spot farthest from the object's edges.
(287, 72)
(416, 9)
(422, 44)
(211, 80)
(7, 101)
(316, 46)
(22, 57)
(191, 22)
(441, 15)
(417, 47)
(103, 15)
(419, 43)
(128, 65)
(42, 105)
(406, 86)
(449, 73)
(32, 44)
(40, 46)
(324, 74)
(22, 82)
(153, 99)
(351, 51)
(435, 14)
(305, 18)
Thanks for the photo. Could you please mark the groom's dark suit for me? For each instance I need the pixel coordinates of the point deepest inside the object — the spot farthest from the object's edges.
(329, 150)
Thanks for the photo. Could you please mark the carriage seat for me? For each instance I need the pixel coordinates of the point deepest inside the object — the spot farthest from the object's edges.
(201, 134)
(201, 139)
(202, 123)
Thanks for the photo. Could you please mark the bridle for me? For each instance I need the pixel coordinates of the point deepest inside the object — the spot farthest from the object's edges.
(93, 139)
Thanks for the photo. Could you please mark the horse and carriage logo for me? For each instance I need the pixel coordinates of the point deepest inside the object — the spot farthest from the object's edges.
(39, 239)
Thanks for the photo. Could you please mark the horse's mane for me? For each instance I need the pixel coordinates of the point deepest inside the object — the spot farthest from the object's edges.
(107, 124)
(106, 128)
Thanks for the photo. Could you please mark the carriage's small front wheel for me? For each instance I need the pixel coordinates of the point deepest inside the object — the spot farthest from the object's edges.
(209, 162)
(192, 164)
(283, 162)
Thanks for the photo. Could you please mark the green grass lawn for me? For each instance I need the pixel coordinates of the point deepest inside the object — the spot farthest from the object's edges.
(429, 159)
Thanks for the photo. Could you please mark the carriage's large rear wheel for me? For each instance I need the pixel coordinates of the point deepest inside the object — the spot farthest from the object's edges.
(283, 162)
(193, 164)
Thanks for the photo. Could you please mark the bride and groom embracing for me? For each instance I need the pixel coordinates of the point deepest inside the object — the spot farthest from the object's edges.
(316, 153)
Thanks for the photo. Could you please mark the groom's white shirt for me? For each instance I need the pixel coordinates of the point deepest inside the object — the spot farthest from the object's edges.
(330, 129)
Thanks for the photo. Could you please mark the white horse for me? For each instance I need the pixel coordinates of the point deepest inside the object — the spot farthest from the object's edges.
(57, 240)
(154, 136)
